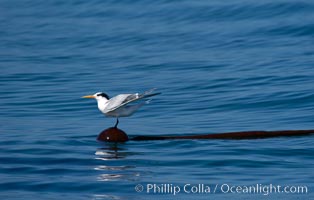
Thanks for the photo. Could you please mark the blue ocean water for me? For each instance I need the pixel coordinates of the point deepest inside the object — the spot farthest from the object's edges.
(220, 65)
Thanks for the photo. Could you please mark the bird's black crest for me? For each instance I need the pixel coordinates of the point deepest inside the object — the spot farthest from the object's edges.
(103, 95)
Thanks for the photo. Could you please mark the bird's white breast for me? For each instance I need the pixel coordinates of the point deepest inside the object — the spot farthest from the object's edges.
(102, 104)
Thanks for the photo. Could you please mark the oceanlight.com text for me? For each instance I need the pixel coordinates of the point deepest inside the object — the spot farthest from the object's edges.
(187, 188)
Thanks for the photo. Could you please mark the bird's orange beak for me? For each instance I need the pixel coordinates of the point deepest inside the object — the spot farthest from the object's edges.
(88, 96)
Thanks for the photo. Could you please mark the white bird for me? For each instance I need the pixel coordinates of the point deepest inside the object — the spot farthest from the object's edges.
(118, 106)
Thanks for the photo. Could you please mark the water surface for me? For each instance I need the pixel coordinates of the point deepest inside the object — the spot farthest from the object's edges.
(221, 66)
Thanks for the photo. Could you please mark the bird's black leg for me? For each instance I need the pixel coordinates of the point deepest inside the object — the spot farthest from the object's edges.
(117, 123)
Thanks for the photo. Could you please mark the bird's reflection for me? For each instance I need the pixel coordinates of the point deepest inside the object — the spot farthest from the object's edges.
(110, 152)
(110, 170)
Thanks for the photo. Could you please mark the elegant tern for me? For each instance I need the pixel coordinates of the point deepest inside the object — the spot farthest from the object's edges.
(120, 105)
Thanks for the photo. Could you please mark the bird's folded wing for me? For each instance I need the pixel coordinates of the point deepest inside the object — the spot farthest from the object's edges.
(116, 101)
(124, 99)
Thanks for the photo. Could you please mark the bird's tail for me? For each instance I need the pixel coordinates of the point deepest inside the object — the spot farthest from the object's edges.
(149, 93)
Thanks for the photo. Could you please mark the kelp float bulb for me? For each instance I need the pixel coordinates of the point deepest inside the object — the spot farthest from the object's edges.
(113, 134)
